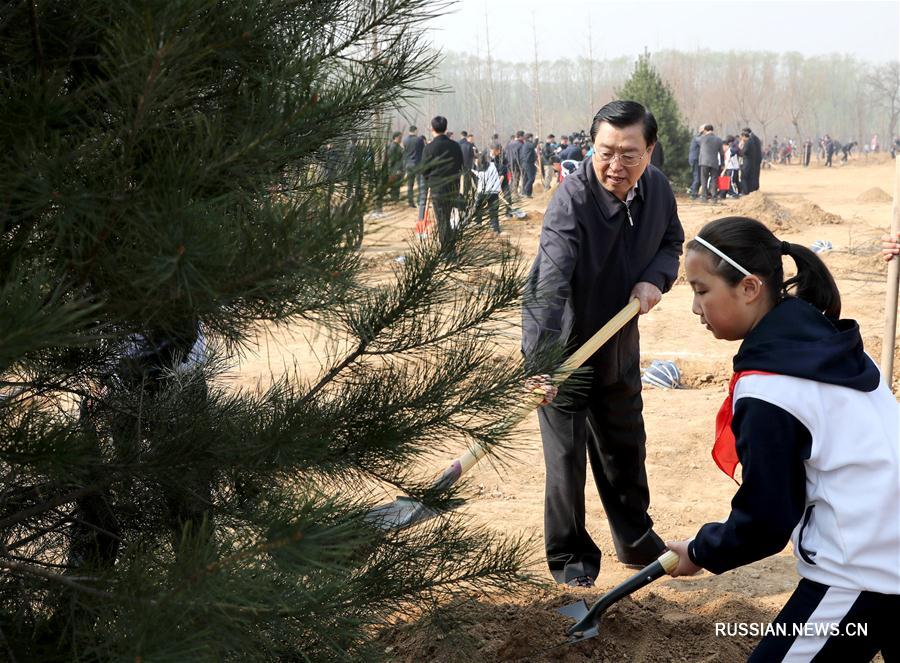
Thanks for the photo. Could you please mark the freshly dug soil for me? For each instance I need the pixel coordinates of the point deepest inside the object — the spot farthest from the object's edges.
(874, 195)
(650, 628)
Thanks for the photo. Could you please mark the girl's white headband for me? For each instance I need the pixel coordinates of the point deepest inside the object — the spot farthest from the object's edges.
(721, 255)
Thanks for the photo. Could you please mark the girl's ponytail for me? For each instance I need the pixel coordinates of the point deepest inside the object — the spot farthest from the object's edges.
(813, 282)
(753, 246)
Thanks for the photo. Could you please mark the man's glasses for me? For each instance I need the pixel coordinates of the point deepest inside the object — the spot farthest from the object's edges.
(629, 159)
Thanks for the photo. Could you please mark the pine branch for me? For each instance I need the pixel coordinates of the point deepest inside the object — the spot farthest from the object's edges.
(38, 47)
(68, 581)
(48, 505)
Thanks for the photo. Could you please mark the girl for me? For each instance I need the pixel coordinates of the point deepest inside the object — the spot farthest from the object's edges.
(488, 188)
(816, 434)
(732, 168)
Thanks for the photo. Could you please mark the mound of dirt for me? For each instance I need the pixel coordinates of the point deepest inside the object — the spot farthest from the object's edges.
(761, 207)
(811, 214)
(652, 630)
(874, 195)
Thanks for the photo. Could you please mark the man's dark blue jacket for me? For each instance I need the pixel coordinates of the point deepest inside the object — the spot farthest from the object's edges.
(589, 259)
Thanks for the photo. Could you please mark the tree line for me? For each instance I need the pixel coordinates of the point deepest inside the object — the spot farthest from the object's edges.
(783, 94)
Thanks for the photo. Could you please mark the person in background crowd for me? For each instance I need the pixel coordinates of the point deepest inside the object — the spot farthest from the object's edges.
(488, 188)
(442, 165)
(395, 166)
(498, 156)
(468, 152)
(512, 158)
(751, 151)
(732, 168)
(528, 161)
(807, 152)
(846, 150)
(694, 161)
(548, 151)
(572, 152)
(413, 145)
(829, 150)
(711, 162)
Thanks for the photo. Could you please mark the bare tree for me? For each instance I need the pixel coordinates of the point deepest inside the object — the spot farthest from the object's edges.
(783, 94)
(490, 70)
(884, 84)
(537, 81)
(590, 78)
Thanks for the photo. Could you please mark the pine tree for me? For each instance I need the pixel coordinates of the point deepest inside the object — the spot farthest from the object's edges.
(175, 174)
(647, 87)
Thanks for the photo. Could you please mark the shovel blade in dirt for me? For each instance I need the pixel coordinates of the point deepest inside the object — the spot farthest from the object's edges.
(587, 620)
(406, 511)
(578, 611)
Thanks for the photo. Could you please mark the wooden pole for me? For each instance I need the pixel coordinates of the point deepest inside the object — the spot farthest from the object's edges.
(893, 279)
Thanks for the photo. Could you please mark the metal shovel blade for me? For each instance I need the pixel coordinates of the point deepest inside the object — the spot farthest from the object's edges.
(402, 512)
(579, 611)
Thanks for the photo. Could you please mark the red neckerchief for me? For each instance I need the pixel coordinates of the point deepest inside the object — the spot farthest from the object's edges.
(724, 452)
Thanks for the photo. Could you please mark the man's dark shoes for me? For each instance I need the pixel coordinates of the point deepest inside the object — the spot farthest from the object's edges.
(581, 581)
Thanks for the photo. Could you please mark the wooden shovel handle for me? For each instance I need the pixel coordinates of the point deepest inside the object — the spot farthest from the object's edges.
(890, 304)
(581, 355)
(596, 341)
(669, 561)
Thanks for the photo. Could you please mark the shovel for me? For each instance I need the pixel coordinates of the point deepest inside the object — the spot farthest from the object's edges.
(406, 511)
(587, 621)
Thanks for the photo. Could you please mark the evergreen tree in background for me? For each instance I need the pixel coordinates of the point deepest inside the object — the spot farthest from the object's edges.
(177, 174)
(646, 87)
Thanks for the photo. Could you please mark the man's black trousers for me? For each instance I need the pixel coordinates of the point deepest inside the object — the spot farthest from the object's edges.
(444, 203)
(606, 426)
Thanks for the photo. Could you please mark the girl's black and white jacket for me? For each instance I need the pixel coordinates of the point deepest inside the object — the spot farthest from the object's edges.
(818, 445)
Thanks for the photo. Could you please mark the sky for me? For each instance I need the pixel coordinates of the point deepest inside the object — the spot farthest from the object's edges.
(868, 30)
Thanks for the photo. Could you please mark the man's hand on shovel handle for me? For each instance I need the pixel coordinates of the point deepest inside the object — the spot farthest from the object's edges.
(685, 566)
(541, 385)
(647, 294)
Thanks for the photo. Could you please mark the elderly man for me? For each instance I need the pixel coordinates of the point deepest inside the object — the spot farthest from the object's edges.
(610, 233)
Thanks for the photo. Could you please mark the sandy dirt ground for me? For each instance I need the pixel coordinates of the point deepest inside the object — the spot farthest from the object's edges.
(673, 619)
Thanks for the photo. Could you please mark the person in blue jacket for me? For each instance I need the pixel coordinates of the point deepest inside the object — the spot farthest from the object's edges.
(815, 432)
(611, 233)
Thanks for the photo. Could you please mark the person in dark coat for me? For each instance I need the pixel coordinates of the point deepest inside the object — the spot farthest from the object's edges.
(548, 151)
(468, 151)
(395, 166)
(752, 163)
(829, 150)
(807, 151)
(442, 166)
(413, 144)
(513, 154)
(528, 161)
(571, 151)
(611, 233)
